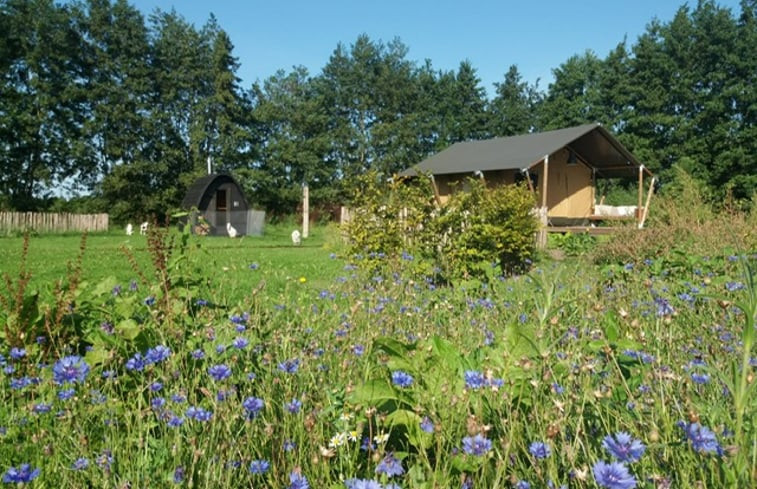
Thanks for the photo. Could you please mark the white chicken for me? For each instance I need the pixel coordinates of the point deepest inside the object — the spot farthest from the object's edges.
(231, 230)
(129, 229)
(296, 238)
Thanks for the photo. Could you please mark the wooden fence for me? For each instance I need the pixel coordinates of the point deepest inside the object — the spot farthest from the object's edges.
(47, 222)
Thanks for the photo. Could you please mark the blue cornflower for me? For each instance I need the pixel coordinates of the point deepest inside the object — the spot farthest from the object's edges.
(293, 406)
(253, 406)
(41, 408)
(150, 301)
(614, 475)
(178, 475)
(298, 481)
(254, 266)
(426, 425)
(23, 474)
(80, 463)
(66, 394)
(474, 379)
(240, 343)
(539, 449)
(623, 447)
(289, 366)
(699, 378)
(476, 445)
(116, 290)
(702, 439)
(663, 307)
(199, 413)
(156, 386)
(402, 379)
(523, 485)
(178, 398)
(137, 362)
(362, 484)
(158, 403)
(358, 350)
(259, 466)
(390, 466)
(175, 421)
(70, 369)
(219, 372)
(289, 445)
(198, 354)
(17, 354)
(158, 354)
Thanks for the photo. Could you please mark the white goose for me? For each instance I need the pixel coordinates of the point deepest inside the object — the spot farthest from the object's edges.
(231, 230)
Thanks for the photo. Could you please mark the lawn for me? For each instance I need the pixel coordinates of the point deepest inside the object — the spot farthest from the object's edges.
(227, 261)
(304, 370)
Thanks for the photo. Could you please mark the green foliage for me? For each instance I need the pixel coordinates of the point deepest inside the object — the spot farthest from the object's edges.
(474, 230)
(483, 226)
(574, 244)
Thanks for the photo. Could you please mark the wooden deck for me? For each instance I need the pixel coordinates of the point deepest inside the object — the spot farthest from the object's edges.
(594, 231)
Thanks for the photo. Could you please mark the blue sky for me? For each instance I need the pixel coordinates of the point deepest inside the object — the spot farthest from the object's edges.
(535, 35)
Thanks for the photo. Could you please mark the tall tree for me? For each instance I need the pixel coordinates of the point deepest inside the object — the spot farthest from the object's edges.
(41, 101)
(573, 98)
(513, 109)
(293, 125)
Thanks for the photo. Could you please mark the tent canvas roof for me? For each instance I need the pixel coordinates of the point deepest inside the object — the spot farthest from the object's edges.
(593, 143)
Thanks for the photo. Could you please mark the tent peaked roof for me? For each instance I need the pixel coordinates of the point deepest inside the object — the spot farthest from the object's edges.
(592, 142)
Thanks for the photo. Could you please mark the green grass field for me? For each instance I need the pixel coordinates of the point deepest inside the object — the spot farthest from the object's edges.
(225, 261)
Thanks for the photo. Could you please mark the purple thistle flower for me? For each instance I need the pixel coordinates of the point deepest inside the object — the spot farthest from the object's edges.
(70, 370)
(219, 372)
(390, 466)
(21, 475)
(614, 475)
(259, 466)
(623, 447)
(476, 445)
(402, 379)
(539, 450)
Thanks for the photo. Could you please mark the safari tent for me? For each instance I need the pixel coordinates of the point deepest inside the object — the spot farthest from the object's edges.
(562, 168)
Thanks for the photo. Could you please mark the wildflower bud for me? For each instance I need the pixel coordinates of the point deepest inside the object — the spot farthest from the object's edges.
(654, 436)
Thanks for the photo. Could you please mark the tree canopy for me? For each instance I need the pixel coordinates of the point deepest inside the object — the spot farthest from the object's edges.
(99, 101)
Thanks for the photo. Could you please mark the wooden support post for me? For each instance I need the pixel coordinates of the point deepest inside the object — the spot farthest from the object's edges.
(646, 206)
(305, 211)
(641, 194)
(530, 183)
(541, 241)
(437, 197)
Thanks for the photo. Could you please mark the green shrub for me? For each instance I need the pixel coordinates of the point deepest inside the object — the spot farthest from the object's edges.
(463, 238)
(486, 226)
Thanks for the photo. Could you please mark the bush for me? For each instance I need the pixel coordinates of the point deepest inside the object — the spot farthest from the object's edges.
(465, 237)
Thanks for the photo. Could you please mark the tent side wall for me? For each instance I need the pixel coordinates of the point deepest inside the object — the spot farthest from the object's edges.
(570, 191)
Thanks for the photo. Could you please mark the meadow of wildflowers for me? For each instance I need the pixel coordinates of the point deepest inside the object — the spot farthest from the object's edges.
(571, 376)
